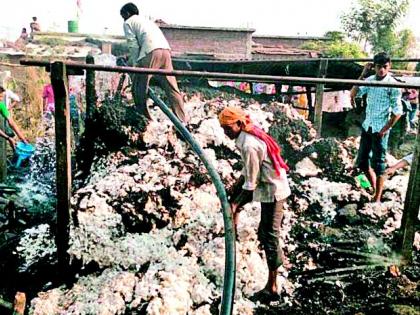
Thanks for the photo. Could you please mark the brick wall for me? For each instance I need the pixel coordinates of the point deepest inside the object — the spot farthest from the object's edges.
(285, 41)
(220, 43)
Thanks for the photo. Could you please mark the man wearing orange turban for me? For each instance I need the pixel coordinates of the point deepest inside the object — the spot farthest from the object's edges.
(264, 180)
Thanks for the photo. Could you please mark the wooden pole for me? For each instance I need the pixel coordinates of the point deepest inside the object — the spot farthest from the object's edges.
(63, 167)
(90, 89)
(323, 65)
(3, 156)
(86, 153)
(19, 303)
(225, 75)
(18, 306)
(411, 205)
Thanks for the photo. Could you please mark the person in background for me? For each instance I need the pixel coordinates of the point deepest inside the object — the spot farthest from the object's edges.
(413, 98)
(6, 115)
(404, 162)
(75, 110)
(24, 34)
(20, 43)
(48, 100)
(383, 110)
(150, 49)
(11, 99)
(35, 27)
(399, 130)
(263, 180)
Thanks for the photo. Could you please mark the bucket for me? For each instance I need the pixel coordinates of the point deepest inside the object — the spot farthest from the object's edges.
(23, 151)
(73, 26)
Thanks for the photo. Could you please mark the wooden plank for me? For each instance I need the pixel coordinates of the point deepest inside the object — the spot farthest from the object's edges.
(63, 166)
(411, 206)
(323, 66)
(3, 155)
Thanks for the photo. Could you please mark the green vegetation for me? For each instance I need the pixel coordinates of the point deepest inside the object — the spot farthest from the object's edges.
(375, 22)
(336, 47)
(53, 42)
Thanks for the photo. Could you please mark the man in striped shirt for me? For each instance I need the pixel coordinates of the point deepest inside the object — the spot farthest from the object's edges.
(383, 110)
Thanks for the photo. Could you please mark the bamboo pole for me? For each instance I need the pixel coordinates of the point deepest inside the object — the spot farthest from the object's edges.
(411, 206)
(322, 72)
(63, 167)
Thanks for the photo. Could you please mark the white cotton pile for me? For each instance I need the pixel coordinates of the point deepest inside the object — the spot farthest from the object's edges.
(307, 168)
(325, 193)
(108, 293)
(36, 243)
(172, 259)
(397, 184)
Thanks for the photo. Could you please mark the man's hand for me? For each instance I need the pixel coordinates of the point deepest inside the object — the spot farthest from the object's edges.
(381, 134)
(368, 66)
(390, 171)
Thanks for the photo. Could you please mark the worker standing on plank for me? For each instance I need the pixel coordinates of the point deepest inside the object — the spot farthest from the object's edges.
(263, 180)
(150, 49)
(383, 110)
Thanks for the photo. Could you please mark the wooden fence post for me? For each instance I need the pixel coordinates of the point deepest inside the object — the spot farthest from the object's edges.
(90, 89)
(63, 167)
(86, 152)
(3, 155)
(19, 303)
(323, 65)
(411, 205)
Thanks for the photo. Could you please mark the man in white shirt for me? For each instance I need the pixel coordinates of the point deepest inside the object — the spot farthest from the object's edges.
(150, 49)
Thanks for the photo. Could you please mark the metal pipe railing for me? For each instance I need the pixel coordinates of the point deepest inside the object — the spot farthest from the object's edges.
(224, 75)
(230, 261)
(291, 60)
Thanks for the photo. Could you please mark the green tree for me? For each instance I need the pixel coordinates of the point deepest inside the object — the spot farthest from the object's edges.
(335, 47)
(405, 43)
(375, 22)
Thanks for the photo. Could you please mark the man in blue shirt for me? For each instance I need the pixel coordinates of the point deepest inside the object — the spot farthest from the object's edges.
(383, 110)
